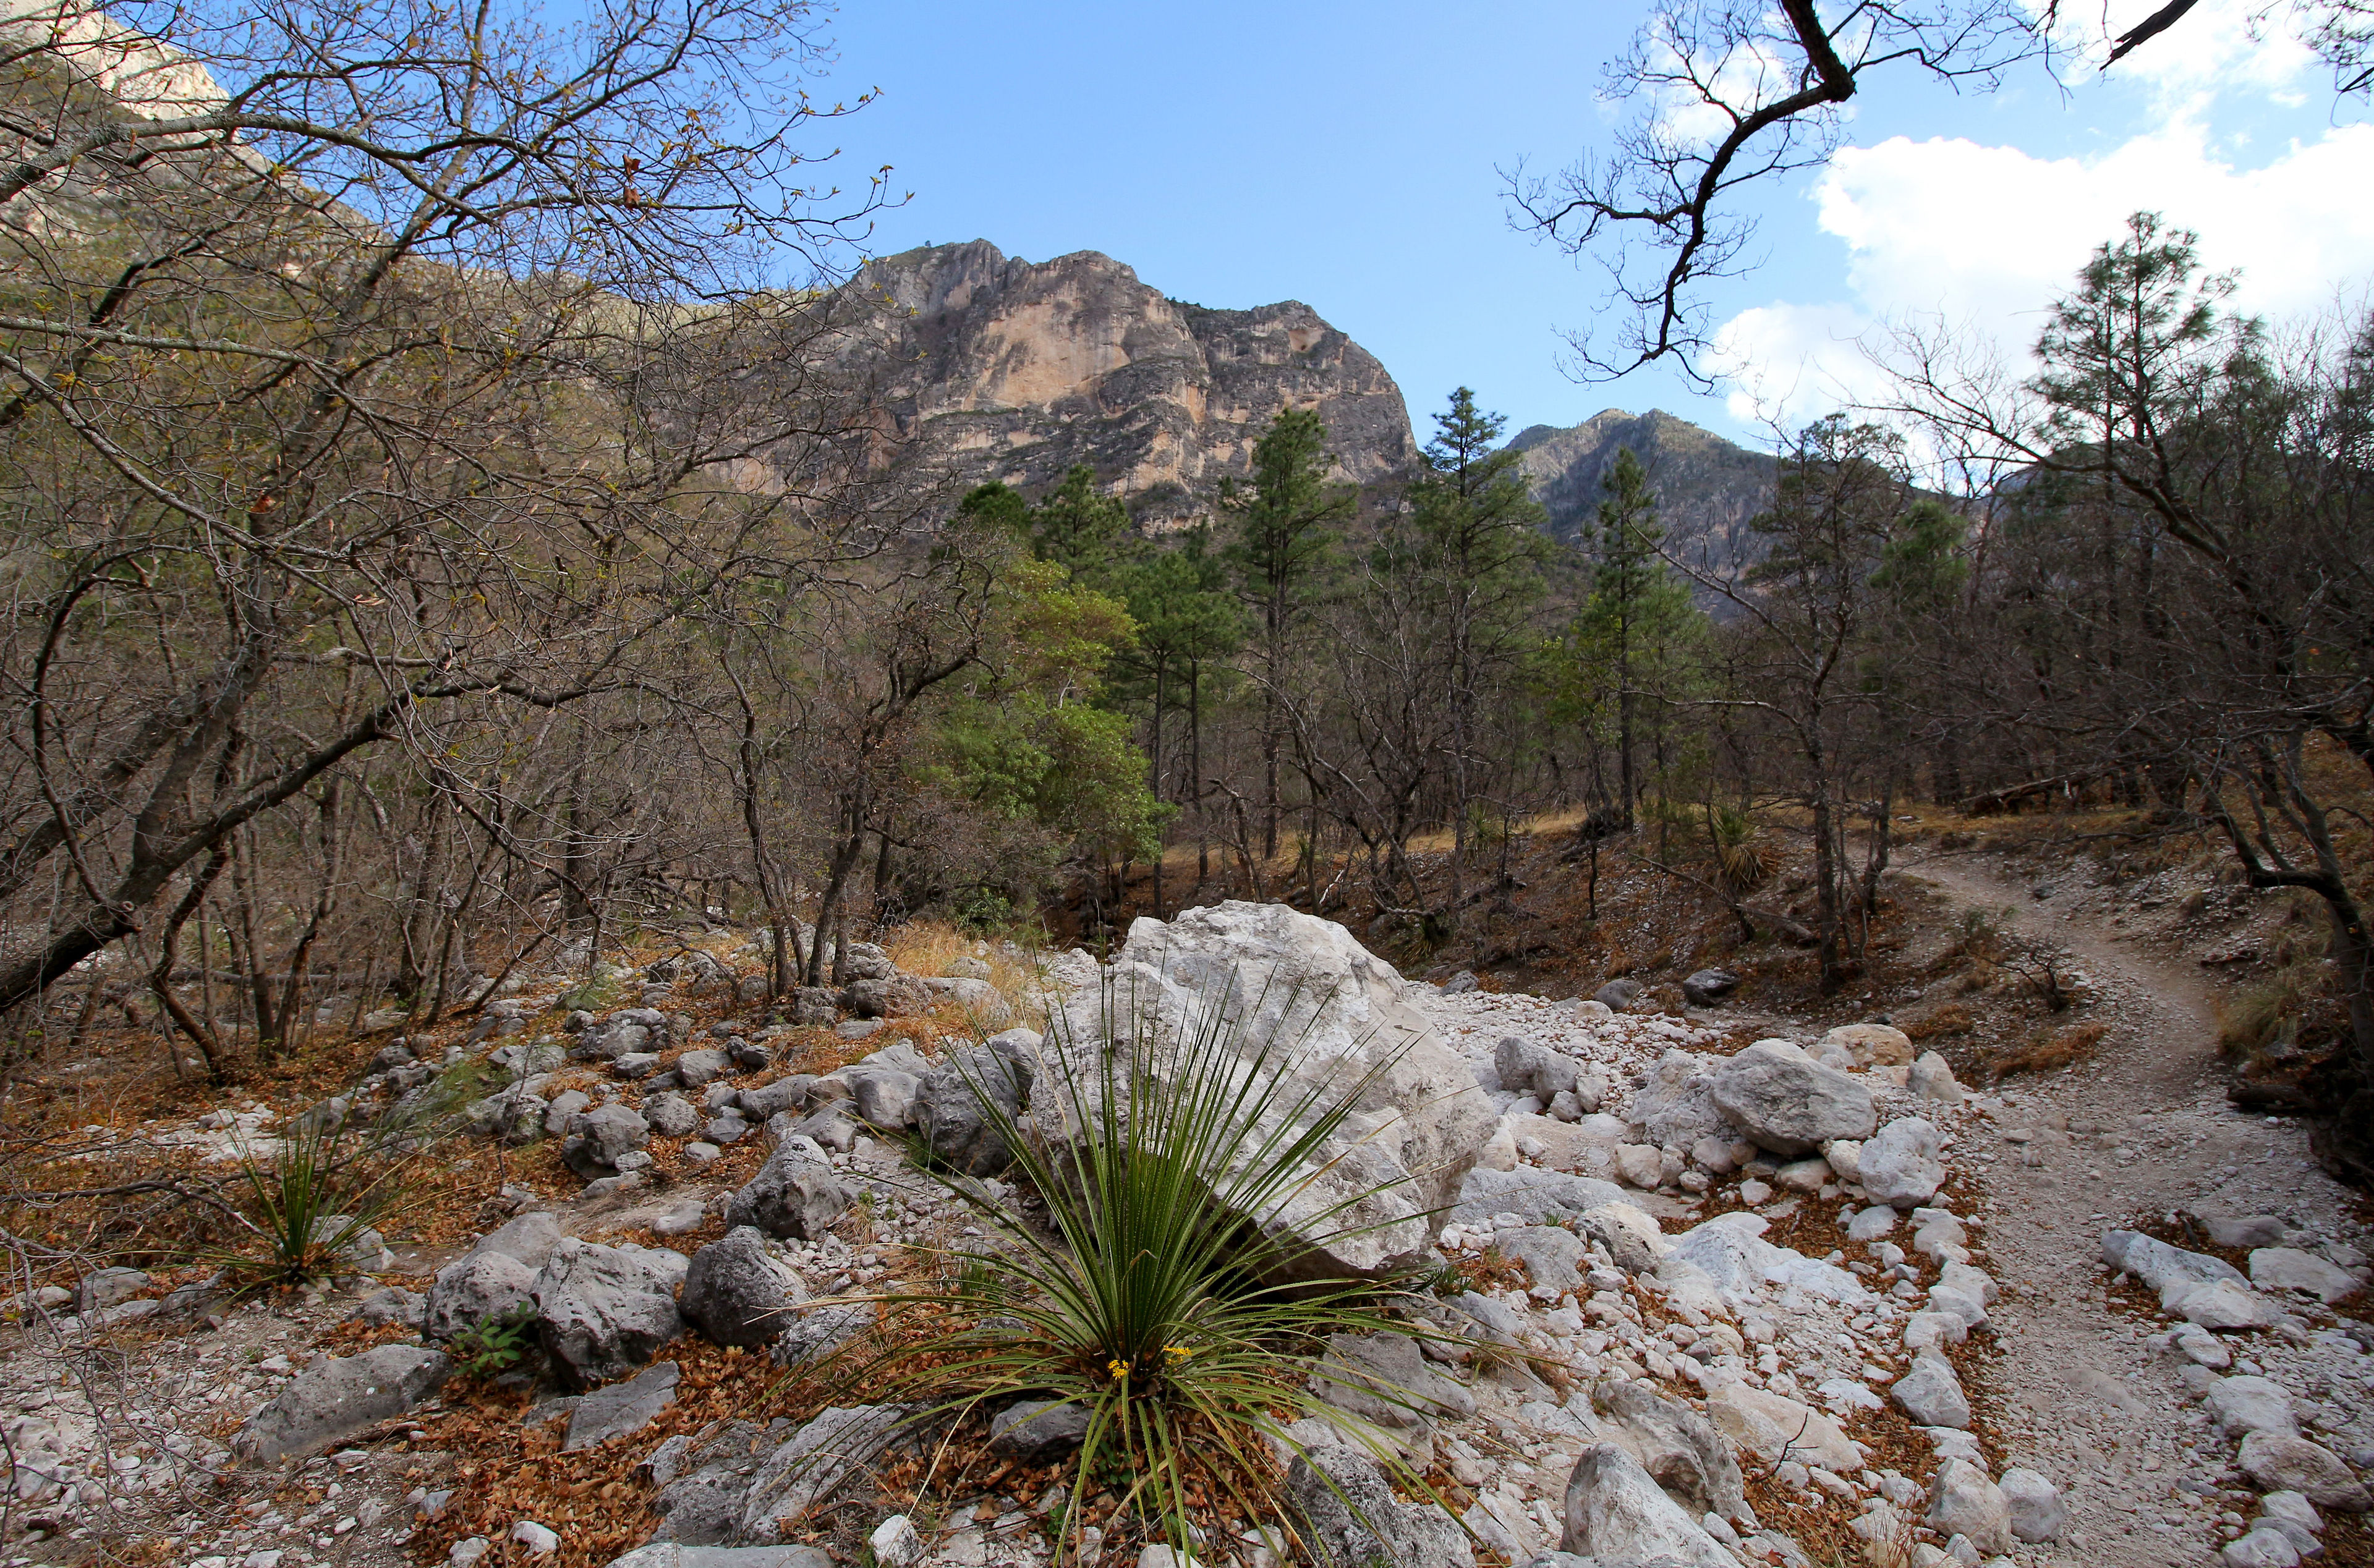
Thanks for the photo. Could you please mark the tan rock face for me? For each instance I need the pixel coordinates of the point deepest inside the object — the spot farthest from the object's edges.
(1003, 369)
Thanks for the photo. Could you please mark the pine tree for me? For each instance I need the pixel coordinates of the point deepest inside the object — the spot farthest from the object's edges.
(1473, 535)
(1287, 526)
(1187, 619)
(1636, 611)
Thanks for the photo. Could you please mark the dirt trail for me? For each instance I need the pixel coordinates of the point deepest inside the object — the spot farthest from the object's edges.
(2141, 1129)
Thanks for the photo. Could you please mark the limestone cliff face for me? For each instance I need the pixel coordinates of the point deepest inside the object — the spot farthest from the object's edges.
(1003, 369)
(1707, 488)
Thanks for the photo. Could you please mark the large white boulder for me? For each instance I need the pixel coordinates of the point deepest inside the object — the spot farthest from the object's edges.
(1675, 1103)
(1789, 1103)
(1616, 1512)
(1776, 1429)
(1337, 1020)
(1901, 1166)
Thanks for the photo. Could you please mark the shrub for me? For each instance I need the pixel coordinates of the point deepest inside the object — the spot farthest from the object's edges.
(1742, 858)
(1947, 1018)
(2261, 1022)
(492, 1345)
(1147, 1296)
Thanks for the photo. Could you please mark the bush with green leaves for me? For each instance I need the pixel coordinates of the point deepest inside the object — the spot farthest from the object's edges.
(1146, 1292)
(493, 1345)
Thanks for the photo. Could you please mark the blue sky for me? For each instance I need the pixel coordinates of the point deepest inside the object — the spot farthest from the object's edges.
(1235, 154)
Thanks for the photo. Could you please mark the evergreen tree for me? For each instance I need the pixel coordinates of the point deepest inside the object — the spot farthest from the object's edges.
(1187, 620)
(1473, 536)
(1636, 616)
(1083, 529)
(1077, 526)
(1287, 526)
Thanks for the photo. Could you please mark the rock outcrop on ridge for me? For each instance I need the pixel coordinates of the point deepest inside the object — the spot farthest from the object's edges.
(1003, 369)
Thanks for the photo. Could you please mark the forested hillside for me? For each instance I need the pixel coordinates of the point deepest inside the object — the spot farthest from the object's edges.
(411, 583)
(671, 894)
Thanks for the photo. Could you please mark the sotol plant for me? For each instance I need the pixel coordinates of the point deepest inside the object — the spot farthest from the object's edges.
(1148, 1297)
(306, 1205)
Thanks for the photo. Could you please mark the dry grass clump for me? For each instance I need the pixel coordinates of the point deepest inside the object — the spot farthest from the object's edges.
(928, 947)
(1936, 1023)
(2269, 1021)
(2054, 1051)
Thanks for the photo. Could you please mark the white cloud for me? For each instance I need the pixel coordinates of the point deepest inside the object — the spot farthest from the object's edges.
(2219, 47)
(1988, 237)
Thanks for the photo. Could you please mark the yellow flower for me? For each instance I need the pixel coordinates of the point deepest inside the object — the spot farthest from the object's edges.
(1181, 1352)
(1119, 1369)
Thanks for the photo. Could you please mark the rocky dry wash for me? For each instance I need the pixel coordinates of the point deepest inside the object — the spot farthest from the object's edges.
(1771, 1300)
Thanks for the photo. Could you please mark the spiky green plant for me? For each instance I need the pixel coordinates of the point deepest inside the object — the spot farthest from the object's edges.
(301, 1208)
(1162, 1292)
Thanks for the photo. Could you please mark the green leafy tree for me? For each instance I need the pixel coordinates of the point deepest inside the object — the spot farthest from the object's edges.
(1288, 524)
(1025, 738)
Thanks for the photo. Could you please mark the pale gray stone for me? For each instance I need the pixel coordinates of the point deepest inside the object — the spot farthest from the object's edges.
(2281, 1462)
(479, 1287)
(838, 1446)
(2241, 1405)
(2288, 1268)
(1675, 1103)
(1352, 1519)
(599, 1136)
(795, 1194)
(616, 1408)
(1787, 1102)
(2033, 1505)
(669, 1554)
(817, 1331)
(1354, 1031)
(2219, 1303)
(1681, 1449)
(335, 1399)
(1901, 1166)
(1038, 1430)
(1932, 1078)
(604, 1311)
(963, 1106)
(1524, 1067)
(1552, 1255)
(1933, 1395)
(1963, 1502)
(739, 1293)
(1616, 1512)
(2250, 1230)
(2156, 1264)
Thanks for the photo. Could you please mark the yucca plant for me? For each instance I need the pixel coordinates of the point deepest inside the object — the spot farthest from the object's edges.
(1741, 855)
(1162, 1294)
(305, 1205)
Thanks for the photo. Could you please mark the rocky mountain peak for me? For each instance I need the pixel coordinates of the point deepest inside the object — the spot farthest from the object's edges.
(1010, 370)
(1708, 488)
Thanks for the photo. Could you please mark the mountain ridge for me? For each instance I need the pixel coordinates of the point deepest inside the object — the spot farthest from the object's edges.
(1003, 369)
(1709, 489)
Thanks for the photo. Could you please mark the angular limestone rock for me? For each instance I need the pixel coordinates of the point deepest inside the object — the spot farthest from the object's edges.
(332, 1401)
(1338, 1018)
(1789, 1103)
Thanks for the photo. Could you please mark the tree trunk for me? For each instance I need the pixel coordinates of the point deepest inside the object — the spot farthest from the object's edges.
(1161, 687)
(219, 1067)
